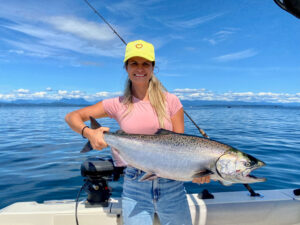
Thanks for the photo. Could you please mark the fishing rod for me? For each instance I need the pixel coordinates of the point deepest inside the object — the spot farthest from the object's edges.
(87, 2)
(115, 32)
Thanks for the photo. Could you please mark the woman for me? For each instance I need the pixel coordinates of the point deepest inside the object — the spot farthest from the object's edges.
(143, 109)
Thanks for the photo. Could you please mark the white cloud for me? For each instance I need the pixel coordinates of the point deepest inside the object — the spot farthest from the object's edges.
(7, 97)
(105, 94)
(76, 92)
(220, 36)
(188, 90)
(82, 28)
(62, 92)
(125, 8)
(56, 95)
(240, 94)
(134, 9)
(22, 91)
(33, 49)
(183, 94)
(267, 94)
(18, 52)
(202, 94)
(102, 94)
(191, 23)
(40, 94)
(54, 36)
(236, 55)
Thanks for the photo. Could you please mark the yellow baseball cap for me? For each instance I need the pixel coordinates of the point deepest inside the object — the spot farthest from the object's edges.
(139, 48)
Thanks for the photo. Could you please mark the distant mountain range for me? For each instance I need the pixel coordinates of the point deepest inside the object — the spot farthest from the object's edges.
(186, 103)
(61, 102)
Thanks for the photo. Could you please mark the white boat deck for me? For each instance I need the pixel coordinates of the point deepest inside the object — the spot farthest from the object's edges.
(277, 207)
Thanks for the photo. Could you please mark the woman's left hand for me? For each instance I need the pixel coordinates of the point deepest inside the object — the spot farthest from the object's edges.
(201, 180)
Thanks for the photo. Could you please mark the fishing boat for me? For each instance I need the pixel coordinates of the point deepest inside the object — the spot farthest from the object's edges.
(274, 207)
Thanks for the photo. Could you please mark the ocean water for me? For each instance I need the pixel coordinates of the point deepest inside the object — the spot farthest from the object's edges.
(40, 159)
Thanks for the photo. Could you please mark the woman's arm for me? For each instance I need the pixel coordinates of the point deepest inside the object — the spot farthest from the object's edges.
(178, 121)
(76, 121)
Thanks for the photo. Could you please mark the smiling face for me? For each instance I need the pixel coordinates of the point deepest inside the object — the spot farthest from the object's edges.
(139, 70)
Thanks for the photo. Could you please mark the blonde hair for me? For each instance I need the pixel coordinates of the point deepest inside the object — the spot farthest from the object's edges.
(157, 98)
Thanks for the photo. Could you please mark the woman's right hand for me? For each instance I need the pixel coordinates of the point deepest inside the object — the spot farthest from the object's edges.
(76, 121)
(96, 137)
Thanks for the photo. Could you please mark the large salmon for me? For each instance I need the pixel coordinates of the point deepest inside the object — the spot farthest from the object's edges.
(181, 156)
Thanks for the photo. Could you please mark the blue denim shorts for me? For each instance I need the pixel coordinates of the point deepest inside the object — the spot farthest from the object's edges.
(141, 199)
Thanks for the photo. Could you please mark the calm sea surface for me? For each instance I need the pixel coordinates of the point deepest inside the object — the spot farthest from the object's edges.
(40, 159)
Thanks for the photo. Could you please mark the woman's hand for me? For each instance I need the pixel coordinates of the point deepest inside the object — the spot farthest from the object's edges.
(96, 137)
(201, 180)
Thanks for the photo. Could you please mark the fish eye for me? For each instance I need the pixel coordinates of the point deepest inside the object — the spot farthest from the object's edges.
(247, 164)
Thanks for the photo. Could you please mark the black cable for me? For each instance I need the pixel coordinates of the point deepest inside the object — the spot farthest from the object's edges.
(76, 206)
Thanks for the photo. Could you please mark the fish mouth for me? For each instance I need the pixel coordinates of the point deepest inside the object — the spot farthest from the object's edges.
(255, 178)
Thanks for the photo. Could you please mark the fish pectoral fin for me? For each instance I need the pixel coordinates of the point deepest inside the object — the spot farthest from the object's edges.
(163, 131)
(225, 183)
(202, 173)
(148, 176)
(88, 147)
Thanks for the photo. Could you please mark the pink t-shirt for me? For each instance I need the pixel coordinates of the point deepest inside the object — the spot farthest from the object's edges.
(141, 120)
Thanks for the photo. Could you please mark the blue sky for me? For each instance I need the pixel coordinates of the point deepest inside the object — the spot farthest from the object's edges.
(205, 50)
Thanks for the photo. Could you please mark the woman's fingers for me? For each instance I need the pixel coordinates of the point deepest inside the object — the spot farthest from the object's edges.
(207, 179)
(201, 180)
(104, 129)
(96, 138)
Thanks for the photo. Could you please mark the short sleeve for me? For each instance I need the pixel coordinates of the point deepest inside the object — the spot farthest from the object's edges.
(174, 104)
(111, 106)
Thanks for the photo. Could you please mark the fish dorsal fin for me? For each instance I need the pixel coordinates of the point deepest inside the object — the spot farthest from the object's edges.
(164, 131)
(120, 132)
(94, 123)
(202, 173)
(148, 176)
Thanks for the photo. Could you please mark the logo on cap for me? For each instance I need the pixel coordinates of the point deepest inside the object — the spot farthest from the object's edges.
(139, 45)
